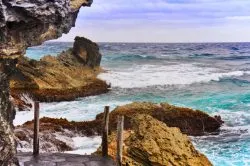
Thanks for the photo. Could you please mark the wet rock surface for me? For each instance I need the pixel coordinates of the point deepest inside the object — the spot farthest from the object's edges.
(62, 159)
(55, 134)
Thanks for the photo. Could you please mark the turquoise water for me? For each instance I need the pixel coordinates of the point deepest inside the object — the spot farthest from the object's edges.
(212, 77)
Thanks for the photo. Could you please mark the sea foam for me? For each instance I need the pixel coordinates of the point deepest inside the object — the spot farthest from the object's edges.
(175, 74)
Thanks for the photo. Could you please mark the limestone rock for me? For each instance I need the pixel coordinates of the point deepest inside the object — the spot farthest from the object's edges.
(21, 102)
(87, 52)
(189, 121)
(61, 78)
(7, 114)
(151, 142)
(25, 23)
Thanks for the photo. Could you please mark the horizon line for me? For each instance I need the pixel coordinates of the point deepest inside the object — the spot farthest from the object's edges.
(127, 42)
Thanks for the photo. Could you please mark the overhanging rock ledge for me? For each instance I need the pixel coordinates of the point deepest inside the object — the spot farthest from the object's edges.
(25, 23)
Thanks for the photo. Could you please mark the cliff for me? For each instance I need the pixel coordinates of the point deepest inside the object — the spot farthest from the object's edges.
(7, 115)
(65, 77)
(25, 23)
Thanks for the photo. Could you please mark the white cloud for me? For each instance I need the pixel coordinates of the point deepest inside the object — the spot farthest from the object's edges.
(164, 21)
(238, 18)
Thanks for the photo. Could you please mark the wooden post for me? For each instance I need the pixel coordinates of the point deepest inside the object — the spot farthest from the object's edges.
(36, 129)
(120, 126)
(105, 132)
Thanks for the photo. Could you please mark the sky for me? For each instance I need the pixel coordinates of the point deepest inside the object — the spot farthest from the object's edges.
(164, 21)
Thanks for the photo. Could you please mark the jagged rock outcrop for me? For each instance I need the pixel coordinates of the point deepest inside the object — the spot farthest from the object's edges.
(65, 77)
(149, 139)
(48, 141)
(21, 102)
(166, 113)
(55, 134)
(87, 52)
(151, 142)
(189, 121)
(25, 23)
(7, 114)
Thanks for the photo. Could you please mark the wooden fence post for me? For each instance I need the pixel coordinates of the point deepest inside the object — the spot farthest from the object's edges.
(105, 132)
(36, 129)
(120, 126)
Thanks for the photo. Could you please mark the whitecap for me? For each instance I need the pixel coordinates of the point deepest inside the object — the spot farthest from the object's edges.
(85, 145)
(80, 110)
(174, 74)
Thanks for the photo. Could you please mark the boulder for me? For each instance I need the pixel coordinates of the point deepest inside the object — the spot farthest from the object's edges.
(189, 121)
(87, 52)
(151, 142)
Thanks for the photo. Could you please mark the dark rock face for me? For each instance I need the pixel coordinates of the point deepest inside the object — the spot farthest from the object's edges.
(25, 23)
(21, 102)
(55, 134)
(87, 52)
(49, 141)
(7, 114)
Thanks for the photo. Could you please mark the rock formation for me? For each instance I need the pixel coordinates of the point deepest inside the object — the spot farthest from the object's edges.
(151, 142)
(190, 122)
(67, 76)
(25, 23)
(87, 52)
(7, 115)
(55, 134)
(51, 128)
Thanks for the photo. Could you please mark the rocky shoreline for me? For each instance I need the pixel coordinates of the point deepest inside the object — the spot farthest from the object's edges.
(71, 74)
(155, 134)
(57, 133)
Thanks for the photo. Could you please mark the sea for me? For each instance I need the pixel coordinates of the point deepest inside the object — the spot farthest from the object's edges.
(212, 77)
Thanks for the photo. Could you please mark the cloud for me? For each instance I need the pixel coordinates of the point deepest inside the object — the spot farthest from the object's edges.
(239, 18)
(169, 8)
(151, 18)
